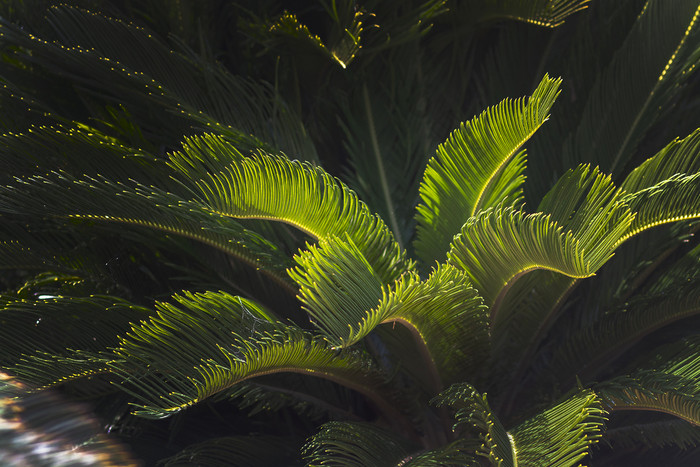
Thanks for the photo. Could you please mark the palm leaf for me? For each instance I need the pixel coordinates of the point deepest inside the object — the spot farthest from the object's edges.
(345, 444)
(525, 243)
(143, 207)
(209, 342)
(640, 82)
(474, 414)
(549, 13)
(666, 383)
(561, 435)
(306, 197)
(670, 433)
(674, 199)
(478, 152)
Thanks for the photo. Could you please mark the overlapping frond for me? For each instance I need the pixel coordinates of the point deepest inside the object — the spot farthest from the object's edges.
(641, 81)
(346, 444)
(306, 197)
(667, 383)
(587, 204)
(337, 286)
(561, 435)
(206, 343)
(674, 199)
(548, 13)
(474, 415)
(677, 157)
(499, 245)
(467, 169)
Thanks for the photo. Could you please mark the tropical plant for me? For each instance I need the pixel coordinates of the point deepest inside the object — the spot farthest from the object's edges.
(179, 254)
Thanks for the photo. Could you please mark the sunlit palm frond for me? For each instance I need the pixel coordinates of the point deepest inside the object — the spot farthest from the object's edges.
(548, 13)
(563, 434)
(207, 343)
(466, 172)
(276, 189)
(346, 444)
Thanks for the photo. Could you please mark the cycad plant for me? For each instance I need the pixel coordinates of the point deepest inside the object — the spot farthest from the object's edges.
(179, 254)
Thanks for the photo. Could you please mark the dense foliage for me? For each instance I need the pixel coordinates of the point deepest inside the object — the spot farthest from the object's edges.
(310, 233)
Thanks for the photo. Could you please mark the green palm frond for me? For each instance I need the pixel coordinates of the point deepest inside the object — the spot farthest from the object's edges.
(524, 243)
(656, 56)
(276, 189)
(478, 152)
(474, 415)
(587, 204)
(337, 286)
(667, 383)
(346, 444)
(209, 342)
(677, 157)
(561, 435)
(146, 208)
(548, 13)
(44, 370)
(674, 199)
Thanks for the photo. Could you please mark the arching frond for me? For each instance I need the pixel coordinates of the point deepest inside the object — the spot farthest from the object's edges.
(674, 199)
(548, 13)
(561, 435)
(345, 444)
(677, 157)
(466, 170)
(667, 383)
(277, 189)
(147, 208)
(337, 286)
(209, 342)
(499, 245)
(474, 415)
(587, 204)
(642, 80)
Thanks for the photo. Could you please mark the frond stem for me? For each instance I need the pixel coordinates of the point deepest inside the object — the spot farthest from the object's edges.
(380, 167)
(424, 352)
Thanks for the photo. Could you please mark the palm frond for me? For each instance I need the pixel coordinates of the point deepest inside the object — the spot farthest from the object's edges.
(640, 82)
(677, 157)
(674, 199)
(478, 152)
(337, 286)
(667, 382)
(209, 342)
(143, 207)
(563, 434)
(474, 414)
(276, 189)
(346, 444)
(548, 13)
(524, 243)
